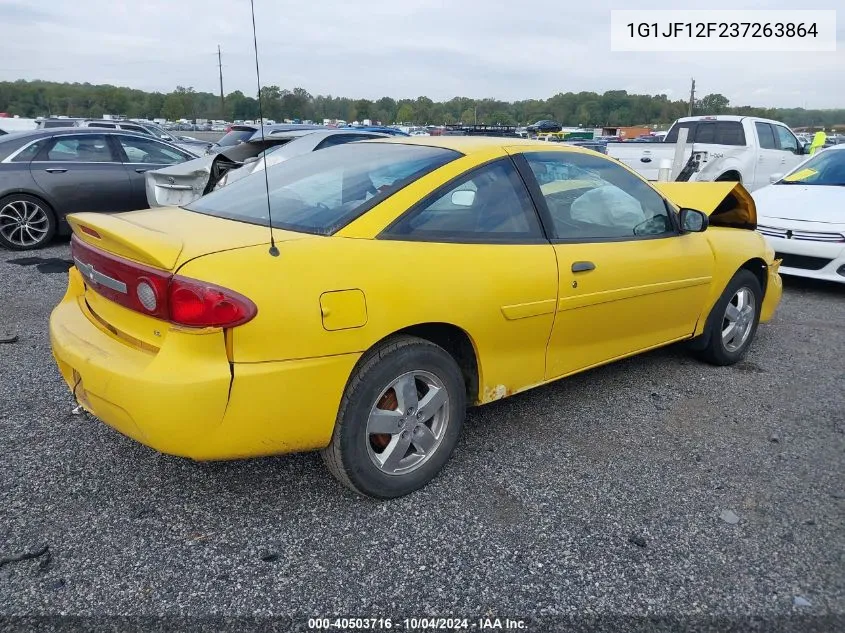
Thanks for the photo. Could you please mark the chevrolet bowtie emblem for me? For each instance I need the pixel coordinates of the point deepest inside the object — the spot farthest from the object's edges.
(92, 274)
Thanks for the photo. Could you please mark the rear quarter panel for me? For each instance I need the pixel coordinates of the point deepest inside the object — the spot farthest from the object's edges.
(403, 284)
(16, 178)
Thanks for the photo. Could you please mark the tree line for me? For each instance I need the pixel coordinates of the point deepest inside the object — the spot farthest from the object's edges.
(588, 109)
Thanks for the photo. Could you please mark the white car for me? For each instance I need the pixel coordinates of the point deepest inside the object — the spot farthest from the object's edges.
(802, 216)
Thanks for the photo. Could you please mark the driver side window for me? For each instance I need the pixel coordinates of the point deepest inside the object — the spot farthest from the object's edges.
(591, 198)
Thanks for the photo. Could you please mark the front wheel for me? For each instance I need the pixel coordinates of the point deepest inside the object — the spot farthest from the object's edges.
(733, 321)
(399, 419)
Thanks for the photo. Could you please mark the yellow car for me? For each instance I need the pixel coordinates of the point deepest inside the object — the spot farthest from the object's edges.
(406, 280)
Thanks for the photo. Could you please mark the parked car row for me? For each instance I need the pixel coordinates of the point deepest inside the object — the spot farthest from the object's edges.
(140, 127)
(183, 183)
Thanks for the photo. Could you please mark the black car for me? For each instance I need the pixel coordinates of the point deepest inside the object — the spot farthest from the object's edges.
(546, 125)
(46, 174)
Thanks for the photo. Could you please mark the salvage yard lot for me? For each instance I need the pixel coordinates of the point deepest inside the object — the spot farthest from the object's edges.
(598, 494)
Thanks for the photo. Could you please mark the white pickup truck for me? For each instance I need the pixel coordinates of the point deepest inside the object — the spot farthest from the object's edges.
(719, 148)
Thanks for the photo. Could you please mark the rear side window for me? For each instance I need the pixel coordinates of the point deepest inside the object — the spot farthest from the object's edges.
(720, 133)
(30, 152)
(83, 148)
(766, 135)
(321, 192)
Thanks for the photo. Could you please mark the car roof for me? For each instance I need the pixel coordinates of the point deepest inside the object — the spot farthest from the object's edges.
(60, 131)
(472, 144)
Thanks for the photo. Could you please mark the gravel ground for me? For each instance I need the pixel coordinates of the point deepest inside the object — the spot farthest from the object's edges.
(605, 494)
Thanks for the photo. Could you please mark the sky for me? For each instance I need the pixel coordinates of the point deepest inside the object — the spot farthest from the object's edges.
(397, 48)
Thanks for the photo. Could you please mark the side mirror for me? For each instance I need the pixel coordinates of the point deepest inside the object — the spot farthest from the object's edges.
(775, 177)
(693, 221)
(463, 198)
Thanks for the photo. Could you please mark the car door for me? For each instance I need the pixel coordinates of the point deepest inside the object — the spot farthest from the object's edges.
(480, 233)
(140, 154)
(791, 153)
(770, 158)
(628, 279)
(79, 172)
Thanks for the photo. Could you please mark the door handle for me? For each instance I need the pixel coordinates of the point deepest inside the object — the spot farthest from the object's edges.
(55, 170)
(582, 267)
(645, 159)
(142, 170)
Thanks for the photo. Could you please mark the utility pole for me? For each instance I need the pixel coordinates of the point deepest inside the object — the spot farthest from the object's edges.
(691, 97)
(222, 99)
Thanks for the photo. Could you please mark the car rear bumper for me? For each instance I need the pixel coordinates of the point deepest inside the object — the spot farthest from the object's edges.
(186, 398)
(805, 258)
(774, 292)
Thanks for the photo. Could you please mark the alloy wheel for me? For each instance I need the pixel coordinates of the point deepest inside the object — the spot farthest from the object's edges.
(407, 423)
(739, 319)
(24, 223)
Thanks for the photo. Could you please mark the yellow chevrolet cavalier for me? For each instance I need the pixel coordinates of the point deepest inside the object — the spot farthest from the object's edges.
(409, 280)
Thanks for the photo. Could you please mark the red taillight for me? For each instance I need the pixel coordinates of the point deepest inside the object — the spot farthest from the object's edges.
(147, 290)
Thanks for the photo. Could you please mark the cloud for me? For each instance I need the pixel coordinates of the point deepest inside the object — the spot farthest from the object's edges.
(401, 49)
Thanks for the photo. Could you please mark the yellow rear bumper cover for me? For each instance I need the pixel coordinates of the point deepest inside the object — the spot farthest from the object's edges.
(186, 398)
(774, 292)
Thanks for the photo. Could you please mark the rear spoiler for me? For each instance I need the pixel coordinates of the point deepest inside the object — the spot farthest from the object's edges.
(727, 203)
(118, 234)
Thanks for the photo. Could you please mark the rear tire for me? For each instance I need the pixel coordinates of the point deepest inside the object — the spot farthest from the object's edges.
(26, 222)
(733, 321)
(399, 419)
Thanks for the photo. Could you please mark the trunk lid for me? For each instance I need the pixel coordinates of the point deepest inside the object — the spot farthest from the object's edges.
(160, 240)
(166, 238)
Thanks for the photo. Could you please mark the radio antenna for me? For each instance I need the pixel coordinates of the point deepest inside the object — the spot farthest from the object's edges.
(273, 250)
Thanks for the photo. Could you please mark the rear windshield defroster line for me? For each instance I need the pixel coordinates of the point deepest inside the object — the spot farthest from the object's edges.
(323, 191)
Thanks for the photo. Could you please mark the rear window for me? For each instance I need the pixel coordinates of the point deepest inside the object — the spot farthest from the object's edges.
(720, 133)
(321, 192)
(672, 136)
(716, 132)
(236, 136)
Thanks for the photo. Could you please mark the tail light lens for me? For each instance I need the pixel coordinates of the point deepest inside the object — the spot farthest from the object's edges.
(174, 298)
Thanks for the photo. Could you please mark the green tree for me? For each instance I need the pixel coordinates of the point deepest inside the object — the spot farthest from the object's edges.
(173, 108)
(405, 114)
(712, 104)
